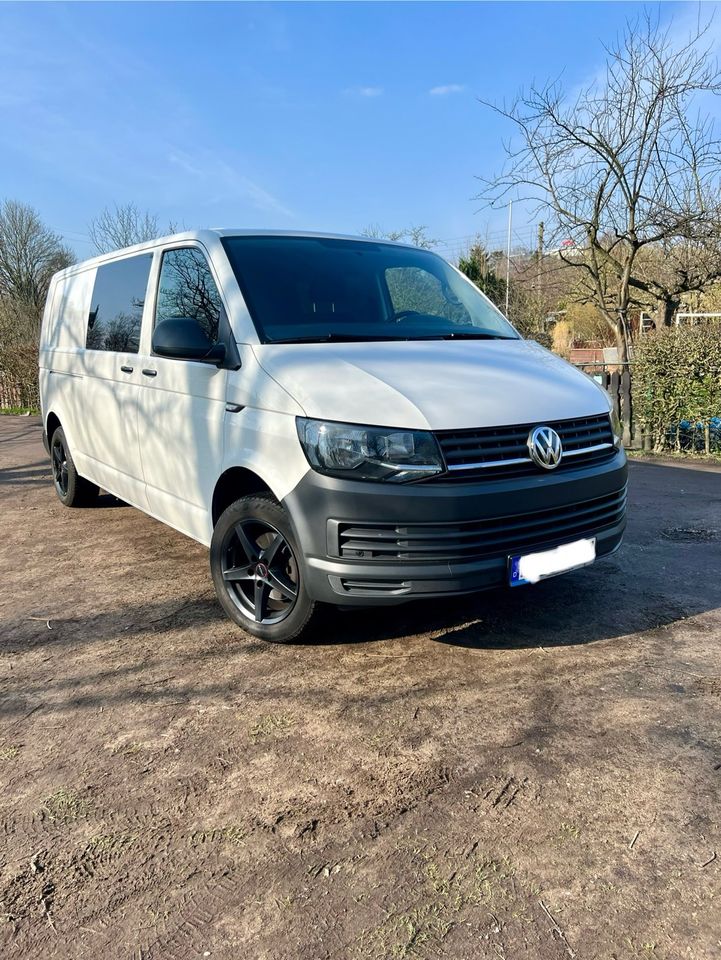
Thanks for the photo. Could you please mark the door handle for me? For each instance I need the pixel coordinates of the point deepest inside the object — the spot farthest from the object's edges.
(126, 369)
(150, 373)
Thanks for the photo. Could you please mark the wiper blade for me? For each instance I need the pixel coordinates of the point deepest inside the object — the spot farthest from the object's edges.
(469, 336)
(337, 338)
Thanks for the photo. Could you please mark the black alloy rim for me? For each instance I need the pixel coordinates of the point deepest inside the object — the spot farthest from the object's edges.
(60, 466)
(260, 571)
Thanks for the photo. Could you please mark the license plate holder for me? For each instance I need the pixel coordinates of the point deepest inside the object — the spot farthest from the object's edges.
(524, 568)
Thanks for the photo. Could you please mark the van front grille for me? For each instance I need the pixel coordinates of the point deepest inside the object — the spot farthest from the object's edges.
(475, 539)
(498, 452)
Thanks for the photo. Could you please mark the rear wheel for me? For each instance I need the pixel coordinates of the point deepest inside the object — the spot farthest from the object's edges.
(72, 489)
(256, 572)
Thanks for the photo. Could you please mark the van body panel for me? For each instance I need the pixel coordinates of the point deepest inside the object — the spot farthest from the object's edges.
(446, 385)
(110, 438)
(181, 412)
(265, 442)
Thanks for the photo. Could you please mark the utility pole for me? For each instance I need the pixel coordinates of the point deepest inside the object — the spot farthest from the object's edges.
(539, 257)
(508, 253)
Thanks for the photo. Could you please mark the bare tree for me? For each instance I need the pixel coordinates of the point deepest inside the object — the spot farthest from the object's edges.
(416, 236)
(123, 226)
(678, 267)
(623, 166)
(30, 254)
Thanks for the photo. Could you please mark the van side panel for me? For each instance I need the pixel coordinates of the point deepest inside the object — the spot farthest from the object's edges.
(180, 427)
(62, 345)
(87, 390)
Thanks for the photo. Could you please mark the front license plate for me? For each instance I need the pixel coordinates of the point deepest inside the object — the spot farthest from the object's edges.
(532, 567)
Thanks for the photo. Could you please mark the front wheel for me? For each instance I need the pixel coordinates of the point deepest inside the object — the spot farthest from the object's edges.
(256, 572)
(72, 489)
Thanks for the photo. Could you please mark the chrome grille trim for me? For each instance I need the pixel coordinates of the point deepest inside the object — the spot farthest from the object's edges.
(490, 463)
(502, 451)
(598, 446)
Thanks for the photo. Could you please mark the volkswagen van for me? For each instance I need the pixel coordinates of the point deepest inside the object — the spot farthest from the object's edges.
(340, 420)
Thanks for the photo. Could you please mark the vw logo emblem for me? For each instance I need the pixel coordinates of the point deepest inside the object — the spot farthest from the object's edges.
(544, 446)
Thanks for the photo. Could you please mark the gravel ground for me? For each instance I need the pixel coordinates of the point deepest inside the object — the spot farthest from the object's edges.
(521, 774)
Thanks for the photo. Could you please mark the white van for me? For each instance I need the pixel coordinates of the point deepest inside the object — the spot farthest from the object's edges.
(341, 420)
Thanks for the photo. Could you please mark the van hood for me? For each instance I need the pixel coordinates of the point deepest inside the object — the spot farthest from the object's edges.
(432, 384)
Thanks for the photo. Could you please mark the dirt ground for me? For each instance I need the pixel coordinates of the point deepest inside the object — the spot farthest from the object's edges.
(522, 774)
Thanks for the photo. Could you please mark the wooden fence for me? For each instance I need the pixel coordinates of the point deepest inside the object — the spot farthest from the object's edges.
(616, 381)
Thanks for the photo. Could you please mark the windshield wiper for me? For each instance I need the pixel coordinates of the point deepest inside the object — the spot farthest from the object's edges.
(337, 338)
(478, 335)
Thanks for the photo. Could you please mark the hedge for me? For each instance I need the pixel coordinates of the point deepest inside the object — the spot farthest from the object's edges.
(677, 388)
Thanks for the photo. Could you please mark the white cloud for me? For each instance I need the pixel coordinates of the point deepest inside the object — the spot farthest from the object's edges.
(366, 91)
(227, 182)
(443, 91)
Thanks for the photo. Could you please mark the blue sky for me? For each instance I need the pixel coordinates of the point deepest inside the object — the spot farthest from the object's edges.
(323, 116)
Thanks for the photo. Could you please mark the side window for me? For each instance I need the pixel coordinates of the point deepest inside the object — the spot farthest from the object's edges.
(416, 291)
(116, 306)
(187, 289)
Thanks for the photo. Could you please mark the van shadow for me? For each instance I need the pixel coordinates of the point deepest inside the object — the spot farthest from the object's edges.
(663, 573)
(108, 501)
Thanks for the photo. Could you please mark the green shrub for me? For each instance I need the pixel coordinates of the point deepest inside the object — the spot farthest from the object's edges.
(677, 378)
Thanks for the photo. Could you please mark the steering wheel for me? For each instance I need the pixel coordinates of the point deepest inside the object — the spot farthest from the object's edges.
(402, 314)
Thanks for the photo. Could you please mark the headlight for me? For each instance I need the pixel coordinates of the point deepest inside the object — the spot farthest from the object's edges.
(617, 429)
(369, 453)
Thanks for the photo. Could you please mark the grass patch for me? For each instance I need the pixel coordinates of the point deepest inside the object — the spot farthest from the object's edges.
(272, 725)
(446, 898)
(568, 833)
(9, 753)
(65, 806)
(18, 411)
(233, 835)
(408, 934)
(105, 842)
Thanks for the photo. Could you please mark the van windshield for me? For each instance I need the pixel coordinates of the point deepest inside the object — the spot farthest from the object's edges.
(314, 289)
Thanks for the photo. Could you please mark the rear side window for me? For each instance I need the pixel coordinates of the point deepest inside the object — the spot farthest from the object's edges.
(187, 289)
(116, 306)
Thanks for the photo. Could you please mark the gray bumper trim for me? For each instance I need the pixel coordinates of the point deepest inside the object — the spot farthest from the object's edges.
(317, 500)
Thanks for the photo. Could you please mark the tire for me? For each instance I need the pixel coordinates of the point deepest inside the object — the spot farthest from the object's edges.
(256, 572)
(72, 489)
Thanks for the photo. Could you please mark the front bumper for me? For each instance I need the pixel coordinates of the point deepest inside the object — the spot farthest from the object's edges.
(546, 506)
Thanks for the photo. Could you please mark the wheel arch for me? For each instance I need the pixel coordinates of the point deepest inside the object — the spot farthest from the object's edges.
(55, 418)
(52, 422)
(233, 483)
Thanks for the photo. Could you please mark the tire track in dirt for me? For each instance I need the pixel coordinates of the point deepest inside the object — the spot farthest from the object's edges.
(130, 852)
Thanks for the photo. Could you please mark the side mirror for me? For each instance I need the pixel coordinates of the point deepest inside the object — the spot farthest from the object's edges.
(182, 338)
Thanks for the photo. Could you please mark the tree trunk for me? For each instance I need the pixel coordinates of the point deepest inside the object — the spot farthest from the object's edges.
(666, 311)
(624, 398)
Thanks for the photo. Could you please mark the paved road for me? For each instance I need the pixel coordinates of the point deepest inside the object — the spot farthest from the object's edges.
(530, 773)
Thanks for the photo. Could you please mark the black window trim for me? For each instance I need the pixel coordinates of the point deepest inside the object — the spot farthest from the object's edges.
(225, 331)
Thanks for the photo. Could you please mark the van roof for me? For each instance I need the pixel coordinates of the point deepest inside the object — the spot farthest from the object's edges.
(210, 234)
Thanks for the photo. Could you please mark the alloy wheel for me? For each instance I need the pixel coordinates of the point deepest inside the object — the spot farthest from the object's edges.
(260, 571)
(60, 467)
